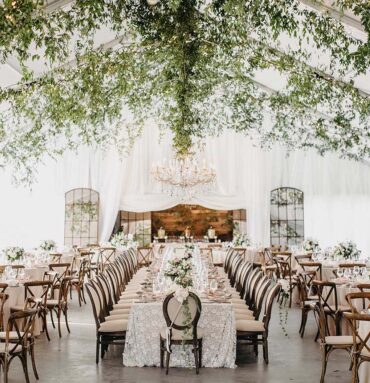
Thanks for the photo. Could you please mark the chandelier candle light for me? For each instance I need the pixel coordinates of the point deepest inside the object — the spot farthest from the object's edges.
(183, 177)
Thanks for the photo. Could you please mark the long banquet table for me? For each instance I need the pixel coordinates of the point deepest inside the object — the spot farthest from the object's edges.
(145, 321)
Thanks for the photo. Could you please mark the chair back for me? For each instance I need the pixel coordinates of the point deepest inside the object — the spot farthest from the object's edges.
(357, 301)
(144, 255)
(181, 317)
(22, 323)
(327, 292)
(261, 289)
(321, 322)
(361, 341)
(37, 290)
(270, 297)
(364, 288)
(95, 303)
(3, 298)
(3, 287)
(314, 269)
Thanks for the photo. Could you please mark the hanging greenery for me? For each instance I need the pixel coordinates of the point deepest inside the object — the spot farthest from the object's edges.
(191, 66)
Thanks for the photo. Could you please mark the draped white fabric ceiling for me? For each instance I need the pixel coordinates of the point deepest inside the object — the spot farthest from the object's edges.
(337, 192)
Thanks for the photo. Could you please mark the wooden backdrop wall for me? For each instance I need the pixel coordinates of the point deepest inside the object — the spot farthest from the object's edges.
(198, 218)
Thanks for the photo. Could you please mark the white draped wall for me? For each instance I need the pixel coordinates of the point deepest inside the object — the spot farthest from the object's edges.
(337, 192)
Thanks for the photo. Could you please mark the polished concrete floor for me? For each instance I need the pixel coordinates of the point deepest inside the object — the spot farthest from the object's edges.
(72, 358)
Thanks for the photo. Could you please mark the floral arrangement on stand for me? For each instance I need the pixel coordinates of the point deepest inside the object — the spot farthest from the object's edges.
(179, 271)
(122, 240)
(283, 309)
(240, 240)
(346, 250)
(311, 245)
(13, 253)
(47, 245)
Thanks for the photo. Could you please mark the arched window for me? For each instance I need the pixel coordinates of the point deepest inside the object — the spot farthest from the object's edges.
(286, 216)
(81, 217)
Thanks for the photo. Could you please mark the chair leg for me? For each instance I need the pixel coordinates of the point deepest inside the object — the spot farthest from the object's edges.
(59, 329)
(200, 353)
(97, 349)
(167, 361)
(324, 364)
(65, 311)
(265, 351)
(196, 358)
(32, 353)
(23, 358)
(255, 346)
(162, 355)
(45, 326)
(52, 318)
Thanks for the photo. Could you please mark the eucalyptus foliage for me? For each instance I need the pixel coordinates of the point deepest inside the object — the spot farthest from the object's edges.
(188, 64)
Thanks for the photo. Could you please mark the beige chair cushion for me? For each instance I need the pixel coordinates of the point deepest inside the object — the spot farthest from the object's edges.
(180, 335)
(242, 310)
(339, 340)
(12, 335)
(120, 311)
(117, 317)
(52, 302)
(121, 306)
(250, 325)
(243, 315)
(2, 348)
(113, 326)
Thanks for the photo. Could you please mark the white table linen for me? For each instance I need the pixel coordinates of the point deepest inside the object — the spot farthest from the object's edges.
(146, 320)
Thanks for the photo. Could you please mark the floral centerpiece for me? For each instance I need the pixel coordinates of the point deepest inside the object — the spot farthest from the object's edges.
(346, 250)
(47, 245)
(179, 271)
(311, 245)
(240, 240)
(13, 253)
(121, 239)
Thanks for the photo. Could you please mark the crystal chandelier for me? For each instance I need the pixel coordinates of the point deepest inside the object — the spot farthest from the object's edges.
(183, 177)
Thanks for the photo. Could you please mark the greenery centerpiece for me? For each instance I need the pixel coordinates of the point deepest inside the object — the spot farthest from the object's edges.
(346, 250)
(47, 245)
(13, 254)
(240, 240)
(122, 240)
(311, 245)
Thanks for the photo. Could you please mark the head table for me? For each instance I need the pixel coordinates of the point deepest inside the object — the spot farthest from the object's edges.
(146, 321)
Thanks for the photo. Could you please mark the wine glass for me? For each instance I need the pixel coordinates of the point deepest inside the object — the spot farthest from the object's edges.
(364, 272)
(340, 272)
(213, 285)
(356, 271)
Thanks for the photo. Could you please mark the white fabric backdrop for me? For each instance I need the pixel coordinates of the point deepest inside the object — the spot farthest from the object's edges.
(337, 192)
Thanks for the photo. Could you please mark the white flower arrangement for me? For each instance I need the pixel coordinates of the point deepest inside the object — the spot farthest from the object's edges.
(311, 245)
(47, 245)
(179, 271)
(240, 240)
(13, 253)
(346, 250)
(121, 239)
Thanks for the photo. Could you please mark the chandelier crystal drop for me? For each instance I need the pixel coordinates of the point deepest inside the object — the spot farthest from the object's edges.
(184, 177)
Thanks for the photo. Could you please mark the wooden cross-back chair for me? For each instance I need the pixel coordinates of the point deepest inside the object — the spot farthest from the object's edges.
(328, 343)
(144, 255)
(360, 341)
(59, 305)
(17, 340)
(314, 269)
(328, 297)
(37, 291)
(106, 256)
